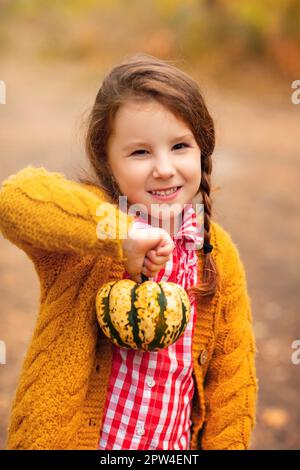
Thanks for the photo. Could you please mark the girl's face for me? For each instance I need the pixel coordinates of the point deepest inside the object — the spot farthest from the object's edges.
(151, 149)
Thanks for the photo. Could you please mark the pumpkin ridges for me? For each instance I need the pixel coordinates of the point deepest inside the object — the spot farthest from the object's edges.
(148, 309)
(106, 318)
(133, 318)
(184, 320)
(161, 325)
(120, 305)
(146, 316)
(185, 311)
(171, 332)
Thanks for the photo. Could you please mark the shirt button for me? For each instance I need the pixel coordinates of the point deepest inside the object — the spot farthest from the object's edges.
(150, 382)
(203, 357)
(140, 431)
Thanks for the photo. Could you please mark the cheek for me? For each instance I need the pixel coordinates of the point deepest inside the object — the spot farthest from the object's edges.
(192, 171)
(132, 179)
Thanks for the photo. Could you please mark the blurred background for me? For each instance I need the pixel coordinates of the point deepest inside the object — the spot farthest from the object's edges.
(245, 55)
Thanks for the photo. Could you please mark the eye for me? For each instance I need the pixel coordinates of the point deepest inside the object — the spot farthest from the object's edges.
(138, 152)
(182, 143)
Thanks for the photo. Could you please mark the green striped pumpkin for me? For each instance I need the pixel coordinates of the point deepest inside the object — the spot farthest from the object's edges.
(147, 316)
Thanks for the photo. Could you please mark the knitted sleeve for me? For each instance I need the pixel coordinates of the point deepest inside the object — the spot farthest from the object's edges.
(45, 210)
(231, 385)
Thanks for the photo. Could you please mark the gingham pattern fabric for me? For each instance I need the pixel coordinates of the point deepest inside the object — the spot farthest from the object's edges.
(149, 398)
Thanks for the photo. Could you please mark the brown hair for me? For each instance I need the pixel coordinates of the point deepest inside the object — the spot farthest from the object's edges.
(143, 77)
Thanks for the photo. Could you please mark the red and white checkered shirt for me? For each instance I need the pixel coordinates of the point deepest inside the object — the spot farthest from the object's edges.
(149, 397)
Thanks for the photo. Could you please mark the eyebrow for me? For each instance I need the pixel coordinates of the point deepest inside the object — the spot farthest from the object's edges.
(140, 143)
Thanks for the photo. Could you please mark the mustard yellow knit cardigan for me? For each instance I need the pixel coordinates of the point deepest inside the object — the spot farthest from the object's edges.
(60, 398)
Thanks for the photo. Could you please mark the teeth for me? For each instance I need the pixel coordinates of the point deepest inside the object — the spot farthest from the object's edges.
(165, 193)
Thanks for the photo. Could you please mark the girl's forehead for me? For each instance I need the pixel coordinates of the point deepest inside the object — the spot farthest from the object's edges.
(144, 123)
(149, 108)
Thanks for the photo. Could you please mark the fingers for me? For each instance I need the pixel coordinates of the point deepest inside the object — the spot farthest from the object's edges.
(157, 259)
(150, 269)
(153, 263)
(164, 251)
(153, 244)
(148, 273)
(165, 247)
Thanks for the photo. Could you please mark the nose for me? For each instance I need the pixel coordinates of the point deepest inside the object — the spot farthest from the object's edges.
(163, 167)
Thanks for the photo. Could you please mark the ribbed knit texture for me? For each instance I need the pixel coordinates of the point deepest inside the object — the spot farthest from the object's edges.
(60, 398)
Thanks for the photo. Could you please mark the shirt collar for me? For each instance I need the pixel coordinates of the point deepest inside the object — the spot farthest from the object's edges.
(191, 228)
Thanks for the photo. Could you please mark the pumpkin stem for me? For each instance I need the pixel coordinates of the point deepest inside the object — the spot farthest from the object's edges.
(144, 278)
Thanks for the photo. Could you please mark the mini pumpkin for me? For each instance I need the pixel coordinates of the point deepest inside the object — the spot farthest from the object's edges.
(147, 316)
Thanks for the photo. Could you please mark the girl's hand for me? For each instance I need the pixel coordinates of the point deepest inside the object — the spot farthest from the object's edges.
(147, 250)
(156, 259)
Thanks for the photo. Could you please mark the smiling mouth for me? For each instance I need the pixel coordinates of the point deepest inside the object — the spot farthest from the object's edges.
(166, 192)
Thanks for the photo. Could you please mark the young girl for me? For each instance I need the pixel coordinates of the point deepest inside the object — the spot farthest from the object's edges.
(150, 138)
